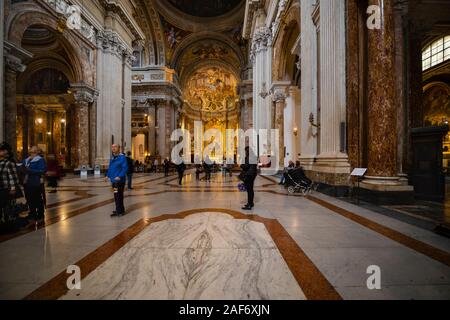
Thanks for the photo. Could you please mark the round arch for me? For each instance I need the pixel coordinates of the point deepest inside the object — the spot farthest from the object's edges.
(41, 64)
(195, 38)
(207, 63)
(288, 34)
(24, 19)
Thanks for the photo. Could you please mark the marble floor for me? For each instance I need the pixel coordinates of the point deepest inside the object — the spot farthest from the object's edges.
(194, 242)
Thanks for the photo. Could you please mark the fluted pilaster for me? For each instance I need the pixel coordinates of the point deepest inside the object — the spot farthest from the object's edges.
(332, 76)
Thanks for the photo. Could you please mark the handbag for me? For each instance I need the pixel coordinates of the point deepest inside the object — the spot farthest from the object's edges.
(241, 187)
(241, 176)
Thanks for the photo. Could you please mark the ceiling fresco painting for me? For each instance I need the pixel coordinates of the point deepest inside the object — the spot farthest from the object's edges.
(211, 90)
(207, 50)
(205, 8)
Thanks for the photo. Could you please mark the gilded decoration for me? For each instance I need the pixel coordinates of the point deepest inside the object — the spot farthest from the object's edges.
(437, 105)
(211, 90)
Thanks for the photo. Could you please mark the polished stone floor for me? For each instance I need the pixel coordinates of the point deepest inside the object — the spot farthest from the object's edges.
(194, 242)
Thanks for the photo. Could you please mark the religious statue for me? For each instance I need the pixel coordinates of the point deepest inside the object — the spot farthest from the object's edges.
(172, 38)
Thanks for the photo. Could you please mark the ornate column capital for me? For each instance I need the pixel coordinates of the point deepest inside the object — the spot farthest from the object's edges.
(280, 90)
(14, 57)
(83, 93)
(129, 58)
(14, 64)
(262, 39)
(109, 40)
(279, 96)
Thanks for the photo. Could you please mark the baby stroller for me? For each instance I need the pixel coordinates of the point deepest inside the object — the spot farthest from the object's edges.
(296, 181)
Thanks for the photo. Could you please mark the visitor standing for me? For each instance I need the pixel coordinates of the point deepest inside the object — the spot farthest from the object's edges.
(34, 168)
(130, 171)
(181, 168)
(166, 167)
(249, 173)
(9, 180)
(116, 173)
(207, 167)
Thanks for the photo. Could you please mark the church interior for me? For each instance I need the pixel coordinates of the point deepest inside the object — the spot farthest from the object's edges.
(358, 92)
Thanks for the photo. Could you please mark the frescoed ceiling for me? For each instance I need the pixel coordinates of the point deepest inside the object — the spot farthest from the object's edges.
(211, 90)
(205, 8)
(206, 50)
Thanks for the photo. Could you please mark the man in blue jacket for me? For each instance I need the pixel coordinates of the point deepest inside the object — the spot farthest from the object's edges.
(117, 173)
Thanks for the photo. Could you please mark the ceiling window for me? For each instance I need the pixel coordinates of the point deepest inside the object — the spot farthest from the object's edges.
(437, 52)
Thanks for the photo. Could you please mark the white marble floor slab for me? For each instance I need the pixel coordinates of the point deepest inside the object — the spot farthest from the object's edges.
(204, 256)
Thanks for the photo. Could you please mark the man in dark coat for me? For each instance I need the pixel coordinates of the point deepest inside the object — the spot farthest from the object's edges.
(181, 168)
(249, 173)
(130, 171)
(166, 167)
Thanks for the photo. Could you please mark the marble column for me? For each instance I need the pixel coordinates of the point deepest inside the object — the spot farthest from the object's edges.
(31, 115)
(279, 90)
(246, 109)
(13, 66)
(161, 110)
(28, 129)
(382, 138)
(382, 103)
(81, 129)
(169, 127)
(84, 96)
(279, 99)
(400, 16)
(354, 82)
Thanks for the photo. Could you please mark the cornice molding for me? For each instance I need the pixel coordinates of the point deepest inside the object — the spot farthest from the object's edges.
(117, 7)
(83, 93)
(251, 7)
(190, 23)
